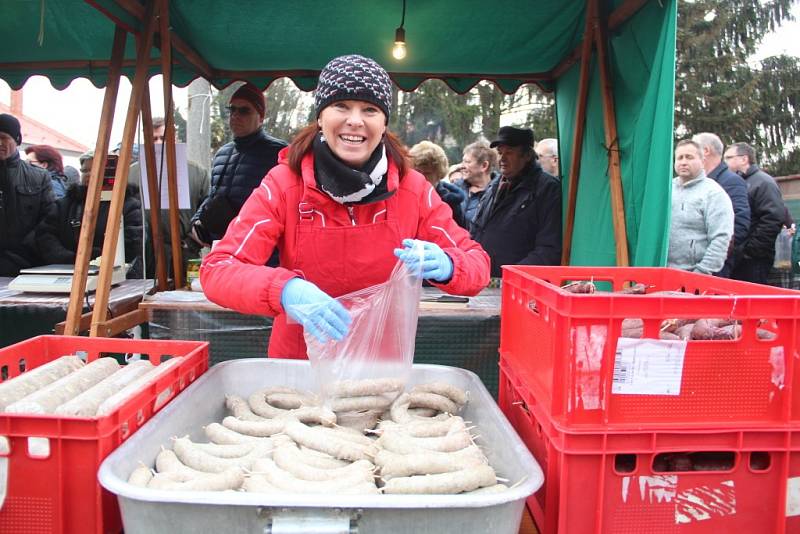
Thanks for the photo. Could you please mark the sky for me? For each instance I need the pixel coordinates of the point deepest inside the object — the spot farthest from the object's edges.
(75, 111)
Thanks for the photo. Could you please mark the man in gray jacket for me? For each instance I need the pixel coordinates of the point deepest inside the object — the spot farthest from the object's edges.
(702, 215)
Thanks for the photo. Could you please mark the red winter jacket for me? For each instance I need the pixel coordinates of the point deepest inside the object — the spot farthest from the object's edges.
(233, 274)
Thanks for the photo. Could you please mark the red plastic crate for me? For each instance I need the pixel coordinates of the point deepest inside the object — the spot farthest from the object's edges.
(563, 347)
(622, 483)
(59, 493)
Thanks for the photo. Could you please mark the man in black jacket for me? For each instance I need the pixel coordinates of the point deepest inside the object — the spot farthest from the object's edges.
(733, 184)
(519, 221)
(754, 257)
(238, 167)
(26, 198)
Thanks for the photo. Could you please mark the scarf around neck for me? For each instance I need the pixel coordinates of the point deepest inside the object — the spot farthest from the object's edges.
(345, 184)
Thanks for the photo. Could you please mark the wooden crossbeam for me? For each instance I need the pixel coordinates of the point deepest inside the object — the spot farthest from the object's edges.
(144, 44)
(169, 142)
(578, 132)
(612, 143)
(92, 204)
(153, 192)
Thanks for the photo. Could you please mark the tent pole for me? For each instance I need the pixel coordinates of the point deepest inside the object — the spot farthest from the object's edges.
(153, 191)
(143, 46)
(577, 136)
(169, 141)
(92, 204)
(612, 143)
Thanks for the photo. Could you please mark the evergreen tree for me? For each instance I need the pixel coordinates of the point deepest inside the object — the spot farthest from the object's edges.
(717, 90)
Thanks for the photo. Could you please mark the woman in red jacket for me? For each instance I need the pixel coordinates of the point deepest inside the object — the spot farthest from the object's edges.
(341, 206)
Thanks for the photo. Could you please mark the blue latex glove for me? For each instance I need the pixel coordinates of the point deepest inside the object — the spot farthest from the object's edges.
(322, 316)
(436, 264)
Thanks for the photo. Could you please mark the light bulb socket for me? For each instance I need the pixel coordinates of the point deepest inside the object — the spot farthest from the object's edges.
(400, 35)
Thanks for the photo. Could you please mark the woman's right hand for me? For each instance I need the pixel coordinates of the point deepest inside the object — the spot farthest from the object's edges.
(322, 316)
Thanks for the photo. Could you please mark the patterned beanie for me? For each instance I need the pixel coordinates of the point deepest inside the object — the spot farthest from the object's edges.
(354, 77)
(252, 94)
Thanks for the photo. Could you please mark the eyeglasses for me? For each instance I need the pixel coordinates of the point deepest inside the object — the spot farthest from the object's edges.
(241, 110)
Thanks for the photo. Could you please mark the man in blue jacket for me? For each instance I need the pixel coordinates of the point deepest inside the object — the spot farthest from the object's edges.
(238, 167)
(734, 186)
(519, 221)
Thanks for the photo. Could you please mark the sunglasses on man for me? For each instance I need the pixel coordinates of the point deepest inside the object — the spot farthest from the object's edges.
(241, 110)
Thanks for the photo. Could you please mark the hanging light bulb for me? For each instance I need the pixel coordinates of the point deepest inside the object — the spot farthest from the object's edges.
(399, 48)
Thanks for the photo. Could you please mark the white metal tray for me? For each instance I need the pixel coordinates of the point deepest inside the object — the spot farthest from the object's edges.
(154, 511)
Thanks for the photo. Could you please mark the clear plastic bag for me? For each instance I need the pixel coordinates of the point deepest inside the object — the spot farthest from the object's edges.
(380, 343)
(783, 250)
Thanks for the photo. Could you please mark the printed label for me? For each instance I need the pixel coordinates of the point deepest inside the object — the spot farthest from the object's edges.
(648, 367)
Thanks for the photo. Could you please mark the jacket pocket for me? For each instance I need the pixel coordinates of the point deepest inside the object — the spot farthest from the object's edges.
(29, 200)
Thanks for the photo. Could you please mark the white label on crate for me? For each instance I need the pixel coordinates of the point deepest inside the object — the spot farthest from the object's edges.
(793, 497)
(648, 367)
(588, 344)
(657, 488)
(705, 502)
(778, 363)
(3, 480)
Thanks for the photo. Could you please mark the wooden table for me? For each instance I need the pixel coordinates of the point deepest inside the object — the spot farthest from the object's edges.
(24, 315)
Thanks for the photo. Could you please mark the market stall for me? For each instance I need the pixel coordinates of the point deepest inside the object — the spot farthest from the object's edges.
(611, 65)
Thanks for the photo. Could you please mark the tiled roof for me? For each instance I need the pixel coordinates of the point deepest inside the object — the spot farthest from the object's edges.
(36, 133)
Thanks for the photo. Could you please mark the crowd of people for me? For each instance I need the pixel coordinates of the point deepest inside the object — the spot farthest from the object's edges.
(503, 199)
(726, 211)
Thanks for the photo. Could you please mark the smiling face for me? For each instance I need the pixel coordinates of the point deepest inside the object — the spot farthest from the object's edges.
(352, 129)
(8, 146)
(473, 170)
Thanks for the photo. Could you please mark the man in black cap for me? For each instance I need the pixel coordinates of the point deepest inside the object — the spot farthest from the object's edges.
(519, 219)
(26, 198)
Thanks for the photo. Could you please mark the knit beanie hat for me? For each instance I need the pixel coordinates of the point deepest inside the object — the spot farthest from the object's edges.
(252, 94)
(10, 125)
(354, 77)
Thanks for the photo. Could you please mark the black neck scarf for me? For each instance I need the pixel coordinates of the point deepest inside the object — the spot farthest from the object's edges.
(345, 184)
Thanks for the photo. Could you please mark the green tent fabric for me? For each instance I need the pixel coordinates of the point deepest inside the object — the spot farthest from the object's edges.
(642, 63)
(458, 41)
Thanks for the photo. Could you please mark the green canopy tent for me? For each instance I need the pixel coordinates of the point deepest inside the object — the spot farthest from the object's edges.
(611, 64)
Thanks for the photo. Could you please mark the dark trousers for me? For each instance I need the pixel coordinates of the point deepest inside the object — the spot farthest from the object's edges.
(752, 270)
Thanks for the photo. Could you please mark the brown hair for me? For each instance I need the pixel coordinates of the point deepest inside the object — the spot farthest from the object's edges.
(743, 149)
(302, 142)
(689, 142)
(49, 155)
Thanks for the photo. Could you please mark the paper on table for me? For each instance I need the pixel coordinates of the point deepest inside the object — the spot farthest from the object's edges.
(648, 367)
(182, 167)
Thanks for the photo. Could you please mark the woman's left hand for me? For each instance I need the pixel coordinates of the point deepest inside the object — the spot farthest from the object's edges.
(436, 264)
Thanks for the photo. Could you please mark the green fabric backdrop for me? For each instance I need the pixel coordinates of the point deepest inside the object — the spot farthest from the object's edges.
(642, 62)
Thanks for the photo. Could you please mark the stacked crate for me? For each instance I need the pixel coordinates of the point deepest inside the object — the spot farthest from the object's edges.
(648, 435)
(49, 463)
